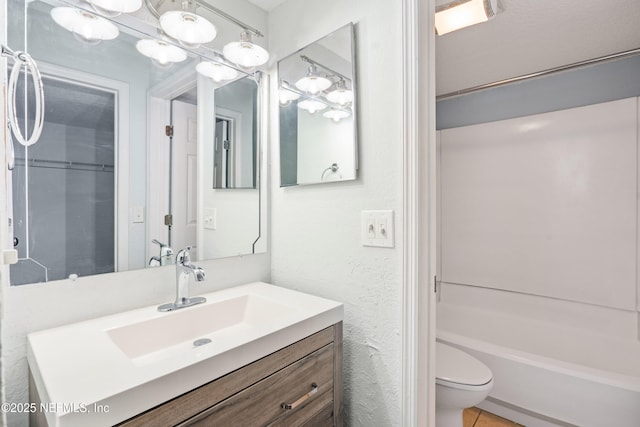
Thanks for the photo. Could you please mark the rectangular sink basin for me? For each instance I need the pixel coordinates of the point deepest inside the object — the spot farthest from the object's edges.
(201, 321)
(135, 360)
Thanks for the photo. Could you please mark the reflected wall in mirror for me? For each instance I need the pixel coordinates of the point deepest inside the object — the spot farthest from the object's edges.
(318, 120)
(107, 178)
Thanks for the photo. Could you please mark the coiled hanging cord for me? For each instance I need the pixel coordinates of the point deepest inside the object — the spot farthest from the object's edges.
(21, 58)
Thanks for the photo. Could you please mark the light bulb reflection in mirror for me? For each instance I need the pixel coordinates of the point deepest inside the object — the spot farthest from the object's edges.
(216, 71)
(189, 29)
(336, 115)
(286, 96)
(162, 54)
(85, 26)
(312, 106)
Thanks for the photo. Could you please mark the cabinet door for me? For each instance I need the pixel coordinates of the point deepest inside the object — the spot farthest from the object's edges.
(304, 383)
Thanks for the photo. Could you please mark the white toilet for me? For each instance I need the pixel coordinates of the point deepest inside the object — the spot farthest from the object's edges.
(462, 381)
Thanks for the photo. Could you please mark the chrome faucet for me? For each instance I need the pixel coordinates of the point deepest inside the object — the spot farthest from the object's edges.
(165, 257)
(184, 270)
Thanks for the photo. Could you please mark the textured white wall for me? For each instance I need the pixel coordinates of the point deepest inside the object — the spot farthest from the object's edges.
(315, 230)
(531, 36)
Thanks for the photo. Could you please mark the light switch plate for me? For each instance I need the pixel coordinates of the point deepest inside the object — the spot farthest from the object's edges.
(377, 229)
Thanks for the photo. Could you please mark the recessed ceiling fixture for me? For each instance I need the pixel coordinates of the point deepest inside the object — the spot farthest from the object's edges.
(313, 83)
(114, 8)
(245, 53)
(161, 53)
(311, 105)
(216, 71)
(85, 26)
(452, 16)
(189, 29)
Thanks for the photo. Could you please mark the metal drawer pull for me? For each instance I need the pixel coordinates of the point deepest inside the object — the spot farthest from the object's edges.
(294, 405)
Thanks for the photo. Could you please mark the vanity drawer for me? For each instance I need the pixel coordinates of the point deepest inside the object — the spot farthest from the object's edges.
(261, 404)
(252, 395)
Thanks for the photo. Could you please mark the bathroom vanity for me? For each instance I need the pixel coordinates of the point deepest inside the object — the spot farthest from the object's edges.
(298, 385)
(255, 354)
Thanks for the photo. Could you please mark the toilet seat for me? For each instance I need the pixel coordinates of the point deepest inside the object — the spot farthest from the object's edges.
(457, 369)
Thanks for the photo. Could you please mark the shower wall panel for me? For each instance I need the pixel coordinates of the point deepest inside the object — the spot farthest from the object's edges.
(544, 204)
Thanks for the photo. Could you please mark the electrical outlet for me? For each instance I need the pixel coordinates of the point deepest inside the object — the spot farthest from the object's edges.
(138, 214)
(210, 218)
(377, 229)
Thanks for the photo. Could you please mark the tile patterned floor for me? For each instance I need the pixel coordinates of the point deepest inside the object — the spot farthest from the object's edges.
(474, 417)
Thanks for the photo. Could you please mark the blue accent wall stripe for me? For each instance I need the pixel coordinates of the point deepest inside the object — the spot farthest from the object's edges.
(603, 82)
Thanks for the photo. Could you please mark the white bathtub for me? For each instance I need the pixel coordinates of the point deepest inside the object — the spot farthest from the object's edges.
(547, 374)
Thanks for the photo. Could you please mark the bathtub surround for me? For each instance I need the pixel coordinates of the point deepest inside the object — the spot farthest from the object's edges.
(550, 301)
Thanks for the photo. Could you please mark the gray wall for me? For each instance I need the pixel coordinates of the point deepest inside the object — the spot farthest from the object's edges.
(593, 84)
(289, 144)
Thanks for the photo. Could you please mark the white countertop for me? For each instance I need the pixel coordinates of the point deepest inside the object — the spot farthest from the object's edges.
(83, 376)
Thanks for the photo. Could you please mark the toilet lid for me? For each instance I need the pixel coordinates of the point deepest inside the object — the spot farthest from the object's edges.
(457, 367)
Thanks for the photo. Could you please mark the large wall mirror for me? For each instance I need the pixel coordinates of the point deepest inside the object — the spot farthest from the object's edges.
(139, 149)
(318, 126)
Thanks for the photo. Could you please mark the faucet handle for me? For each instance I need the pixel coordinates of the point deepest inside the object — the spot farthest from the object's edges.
(162, 245)
(183, 255)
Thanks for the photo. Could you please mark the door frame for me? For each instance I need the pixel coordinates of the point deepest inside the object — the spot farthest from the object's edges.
(158, 151)
(420, 204)
(120, 90)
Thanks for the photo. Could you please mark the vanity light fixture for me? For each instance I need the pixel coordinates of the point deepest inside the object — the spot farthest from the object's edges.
(216, 71)
(161, 53)
(336, 115)
(85, 26)
(189, 29)
(312, 105)
(286, 96)
(113, 8)
(340, 95)
(245, 53)
(313, 83)
(452, 16)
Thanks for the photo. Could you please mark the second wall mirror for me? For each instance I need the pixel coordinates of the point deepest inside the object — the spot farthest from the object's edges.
(318, 120)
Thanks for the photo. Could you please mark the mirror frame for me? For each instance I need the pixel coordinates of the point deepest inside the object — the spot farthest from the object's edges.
(354, 107)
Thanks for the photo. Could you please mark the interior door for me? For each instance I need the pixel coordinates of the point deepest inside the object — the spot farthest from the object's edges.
(220, 161)
(183, 186)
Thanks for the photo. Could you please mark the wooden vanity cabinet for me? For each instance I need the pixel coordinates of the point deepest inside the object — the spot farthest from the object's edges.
(306, 376)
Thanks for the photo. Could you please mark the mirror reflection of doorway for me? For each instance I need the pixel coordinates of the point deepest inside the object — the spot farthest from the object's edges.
(183, 205)
(224, 153)
(63, 187)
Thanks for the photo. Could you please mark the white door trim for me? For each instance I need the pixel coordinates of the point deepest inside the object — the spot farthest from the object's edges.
(121, 167)
(418, 370)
